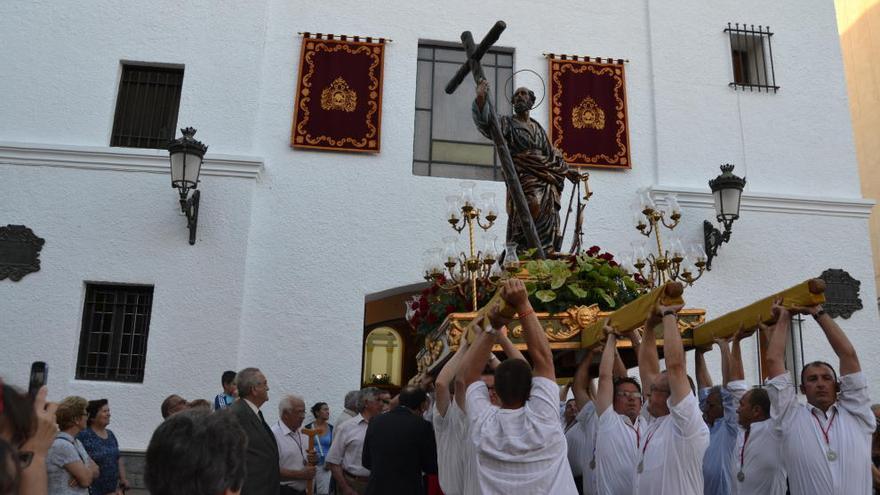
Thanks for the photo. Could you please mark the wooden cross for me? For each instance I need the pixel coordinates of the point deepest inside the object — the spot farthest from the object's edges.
(310, 487)
(472, 65)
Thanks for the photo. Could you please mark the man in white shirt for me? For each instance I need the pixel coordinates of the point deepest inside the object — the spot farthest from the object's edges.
(344, 457)
(826, 443)
(580, 436)
(520, 445)
(676, 439)
(620, 426)
(292, 446)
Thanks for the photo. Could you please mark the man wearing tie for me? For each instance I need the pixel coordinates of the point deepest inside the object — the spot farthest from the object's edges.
(263, 475)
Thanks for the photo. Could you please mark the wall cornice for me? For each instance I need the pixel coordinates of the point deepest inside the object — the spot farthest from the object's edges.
(121, 159)
(773, 203)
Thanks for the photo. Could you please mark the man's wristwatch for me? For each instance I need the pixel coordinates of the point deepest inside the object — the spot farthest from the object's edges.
(670, 312)
(819, 313)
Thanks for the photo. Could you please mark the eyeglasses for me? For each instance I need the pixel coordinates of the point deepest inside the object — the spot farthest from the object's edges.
(629, 395)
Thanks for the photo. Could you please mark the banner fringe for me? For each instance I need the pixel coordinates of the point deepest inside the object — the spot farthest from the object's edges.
(344, 37)
(585, 58)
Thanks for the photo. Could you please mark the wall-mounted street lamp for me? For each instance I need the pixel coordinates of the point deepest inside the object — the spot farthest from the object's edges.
(186, 162)
(727, 190)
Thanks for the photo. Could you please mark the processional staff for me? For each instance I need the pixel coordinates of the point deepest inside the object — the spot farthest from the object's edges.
(310, 457)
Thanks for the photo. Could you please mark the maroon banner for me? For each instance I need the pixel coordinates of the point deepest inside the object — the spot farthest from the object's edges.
(339, 95)
(588, 120)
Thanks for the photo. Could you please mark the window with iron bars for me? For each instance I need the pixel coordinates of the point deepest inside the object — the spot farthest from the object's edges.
(115, 326)
(146, 106)
(752, 57)
(446, 141)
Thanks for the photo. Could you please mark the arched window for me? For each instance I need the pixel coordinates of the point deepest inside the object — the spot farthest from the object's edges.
(383, 357)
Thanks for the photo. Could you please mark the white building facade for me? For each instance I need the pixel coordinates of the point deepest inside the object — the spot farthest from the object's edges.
(291, 243)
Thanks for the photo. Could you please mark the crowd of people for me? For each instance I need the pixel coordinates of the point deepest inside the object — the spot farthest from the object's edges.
(485, 426)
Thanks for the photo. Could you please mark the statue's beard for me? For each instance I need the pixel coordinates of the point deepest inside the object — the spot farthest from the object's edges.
(521, 106)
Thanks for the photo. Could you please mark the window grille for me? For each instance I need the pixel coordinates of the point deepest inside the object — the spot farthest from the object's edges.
(115, 325)
(752, 57)
(446, 141)
(146, 106)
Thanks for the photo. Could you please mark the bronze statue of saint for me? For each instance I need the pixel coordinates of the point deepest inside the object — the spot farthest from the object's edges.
(539, 166)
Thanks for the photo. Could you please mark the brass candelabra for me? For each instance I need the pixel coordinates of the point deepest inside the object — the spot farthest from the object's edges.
(670, 263)
(451, 268)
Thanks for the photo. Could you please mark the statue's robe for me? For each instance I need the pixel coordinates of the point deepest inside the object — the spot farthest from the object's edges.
(541, 171)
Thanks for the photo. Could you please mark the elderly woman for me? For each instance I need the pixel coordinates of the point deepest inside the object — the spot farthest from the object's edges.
(70, 469)
(102, 446)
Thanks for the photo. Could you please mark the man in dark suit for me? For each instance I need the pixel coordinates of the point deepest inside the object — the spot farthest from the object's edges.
(263, 475)
(399, 446)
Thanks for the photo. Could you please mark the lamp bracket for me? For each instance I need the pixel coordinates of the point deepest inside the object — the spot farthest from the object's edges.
(714, 238)
(190, 207)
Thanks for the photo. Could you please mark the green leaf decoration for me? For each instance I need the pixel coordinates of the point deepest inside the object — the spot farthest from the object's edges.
(545, 295)
(605, 297)
(577, 291)
(531, 287)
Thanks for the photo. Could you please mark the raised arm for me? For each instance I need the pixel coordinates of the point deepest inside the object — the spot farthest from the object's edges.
(849, 361)
(735, 366)
(509, 349)
(649, 361)
(475, 358)
(447, 376)
(580, 387)
(704, 379)
(514, 292)
(605, 392)
(775, 355)
(673, 353)
(724, 346)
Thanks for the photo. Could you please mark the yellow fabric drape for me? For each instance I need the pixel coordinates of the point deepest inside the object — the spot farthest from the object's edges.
(633, 315)
(808, 293)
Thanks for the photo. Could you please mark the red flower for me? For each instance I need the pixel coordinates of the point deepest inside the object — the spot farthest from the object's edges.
(415, 321)
(423, 305)
(426, 292)
(593, 250)
(434, 289)
(431, 319)
(612, 263)
(414, 305)
(450, 308)
(606, 256)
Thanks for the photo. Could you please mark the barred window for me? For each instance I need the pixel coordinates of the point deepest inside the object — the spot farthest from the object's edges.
(446, 142)
(146, 106)
(752, 58)
(115, 325)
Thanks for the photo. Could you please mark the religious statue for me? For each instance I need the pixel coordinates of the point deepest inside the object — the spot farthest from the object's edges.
(539, 167)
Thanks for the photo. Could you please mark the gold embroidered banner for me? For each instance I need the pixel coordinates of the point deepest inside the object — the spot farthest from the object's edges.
(339, 94)
(588, 117)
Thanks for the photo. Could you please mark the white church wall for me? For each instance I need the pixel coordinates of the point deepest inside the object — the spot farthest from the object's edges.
(282, 284)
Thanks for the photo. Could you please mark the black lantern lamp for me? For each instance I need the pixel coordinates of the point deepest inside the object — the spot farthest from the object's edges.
(727, 190)
(186, 162)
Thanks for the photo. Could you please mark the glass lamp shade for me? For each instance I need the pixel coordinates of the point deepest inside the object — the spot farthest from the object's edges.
(676, 248)
(490, 209)
(490, 248)
(453, 209)
(640, 254)
(672, 206)
(645, 200)
(431, 261)
(467, 194)
(727, 190)
(186, 156)
(450, 250)
(510, 258)
(697, 252)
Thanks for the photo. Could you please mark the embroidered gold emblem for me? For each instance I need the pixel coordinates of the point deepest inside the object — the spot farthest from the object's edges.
(338, 96)
(588, 114)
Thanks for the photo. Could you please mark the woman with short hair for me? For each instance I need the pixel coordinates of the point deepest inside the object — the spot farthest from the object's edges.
(70, 469)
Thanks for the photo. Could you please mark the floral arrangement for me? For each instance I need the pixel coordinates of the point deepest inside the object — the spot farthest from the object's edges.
(554, 285)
